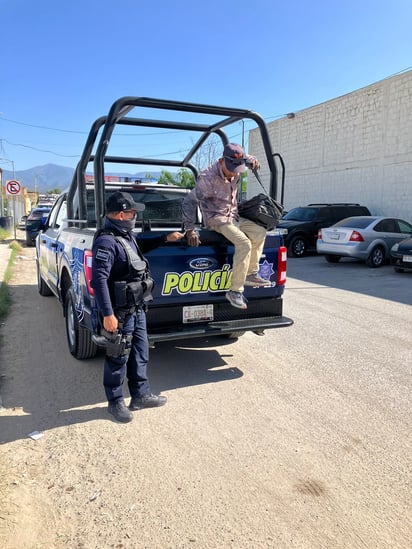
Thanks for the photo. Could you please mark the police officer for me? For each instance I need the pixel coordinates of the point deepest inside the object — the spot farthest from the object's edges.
(122, 311)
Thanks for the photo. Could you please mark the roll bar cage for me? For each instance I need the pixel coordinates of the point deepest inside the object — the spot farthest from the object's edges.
(118, 116)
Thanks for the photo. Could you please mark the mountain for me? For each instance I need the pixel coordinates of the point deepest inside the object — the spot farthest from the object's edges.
(51, 176)
(42, 178)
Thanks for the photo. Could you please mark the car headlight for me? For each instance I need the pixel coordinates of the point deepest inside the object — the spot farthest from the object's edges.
(395, 247)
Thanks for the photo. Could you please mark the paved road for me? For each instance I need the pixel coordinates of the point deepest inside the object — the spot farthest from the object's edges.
(298, 439)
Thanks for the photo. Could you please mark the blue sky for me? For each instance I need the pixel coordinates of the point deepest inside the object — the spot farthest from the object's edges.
(62, 64)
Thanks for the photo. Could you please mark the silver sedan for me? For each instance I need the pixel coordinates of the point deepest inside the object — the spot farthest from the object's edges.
(369, 238)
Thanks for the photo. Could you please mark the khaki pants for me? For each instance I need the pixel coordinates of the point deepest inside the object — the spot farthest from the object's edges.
(248, 239)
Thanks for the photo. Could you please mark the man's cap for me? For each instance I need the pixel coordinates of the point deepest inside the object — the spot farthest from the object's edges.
(121, 202)
(235, 158)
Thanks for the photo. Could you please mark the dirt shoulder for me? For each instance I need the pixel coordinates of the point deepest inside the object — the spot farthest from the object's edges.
(24, 513)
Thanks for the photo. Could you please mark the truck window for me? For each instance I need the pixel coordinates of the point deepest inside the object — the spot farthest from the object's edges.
(161, 208)
(61, 215)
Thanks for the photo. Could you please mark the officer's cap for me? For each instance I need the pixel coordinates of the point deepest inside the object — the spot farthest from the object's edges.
(120, 202)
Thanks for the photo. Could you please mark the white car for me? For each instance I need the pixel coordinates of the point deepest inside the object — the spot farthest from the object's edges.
(369, 238)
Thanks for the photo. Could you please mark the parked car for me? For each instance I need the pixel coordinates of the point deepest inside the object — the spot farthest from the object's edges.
(369, 238)
(303, 223)
(401, 255)
(22, 222)
(35, 222)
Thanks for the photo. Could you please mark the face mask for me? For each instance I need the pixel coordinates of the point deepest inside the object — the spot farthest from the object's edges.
(124, 226)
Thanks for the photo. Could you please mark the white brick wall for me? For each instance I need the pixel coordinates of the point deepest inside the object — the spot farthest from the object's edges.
(355, 148)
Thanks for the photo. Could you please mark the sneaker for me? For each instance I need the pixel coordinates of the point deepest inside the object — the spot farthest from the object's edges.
(119, 411)
(255, 280)
(147, 401)
(236, 299)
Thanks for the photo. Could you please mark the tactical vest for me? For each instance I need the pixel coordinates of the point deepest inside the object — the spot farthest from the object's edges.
(137, 290)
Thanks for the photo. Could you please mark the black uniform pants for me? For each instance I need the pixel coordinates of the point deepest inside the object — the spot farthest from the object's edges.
(133, 366)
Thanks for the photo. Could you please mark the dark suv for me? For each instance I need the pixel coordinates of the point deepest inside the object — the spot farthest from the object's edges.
(302, 223)
(35, 222)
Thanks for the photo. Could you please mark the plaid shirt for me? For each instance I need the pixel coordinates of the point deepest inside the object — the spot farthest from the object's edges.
(215, 195)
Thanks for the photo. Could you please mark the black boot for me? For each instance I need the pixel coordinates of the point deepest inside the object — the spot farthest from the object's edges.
(147, 401)
(119, 411)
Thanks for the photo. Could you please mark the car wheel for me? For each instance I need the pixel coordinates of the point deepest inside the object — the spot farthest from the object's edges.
(42, 287)
(79, 339)
(332, 258)
(29, 242)
(297, 247)
(376, 257)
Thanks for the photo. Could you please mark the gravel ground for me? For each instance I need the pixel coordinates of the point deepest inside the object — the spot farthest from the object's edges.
(299, 439)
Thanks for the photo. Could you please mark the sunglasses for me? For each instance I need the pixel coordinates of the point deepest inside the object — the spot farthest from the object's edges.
(236, 161)
(132, 212)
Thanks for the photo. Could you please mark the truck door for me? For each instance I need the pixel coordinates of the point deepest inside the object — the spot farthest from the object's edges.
(50, 245)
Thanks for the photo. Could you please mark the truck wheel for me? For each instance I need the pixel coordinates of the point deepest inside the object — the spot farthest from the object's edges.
(376, 257)
(332, 258)
(234, 335)
(297, 246)
(44, 290)
(79, 339)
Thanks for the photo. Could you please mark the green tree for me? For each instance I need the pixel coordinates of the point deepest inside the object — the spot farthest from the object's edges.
(185, 178)
(166, 178)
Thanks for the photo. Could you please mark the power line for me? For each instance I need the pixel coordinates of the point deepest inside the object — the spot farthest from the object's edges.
(40, 127)
(81, 132)
(39, 150)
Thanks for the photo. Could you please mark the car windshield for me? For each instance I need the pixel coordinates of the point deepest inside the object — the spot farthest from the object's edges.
(301, 214)
(355, 222)
(38, 214)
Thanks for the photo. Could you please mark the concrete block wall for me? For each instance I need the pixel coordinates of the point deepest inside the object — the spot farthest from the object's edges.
(355, 148)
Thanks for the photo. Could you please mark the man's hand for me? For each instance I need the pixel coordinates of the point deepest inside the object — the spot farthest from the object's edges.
(110, 323)
(174, 237)
(193, 237)
(253, 163)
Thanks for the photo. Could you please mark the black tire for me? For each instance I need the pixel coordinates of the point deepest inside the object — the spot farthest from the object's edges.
(376, 257)
(332, 258)
(399, 270)
(297, 246)
(234, 335)
(79, 339)
(42, 287)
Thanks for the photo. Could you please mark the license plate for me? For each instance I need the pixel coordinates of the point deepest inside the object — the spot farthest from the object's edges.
(335, 236)
(407, 258)
(197, 313)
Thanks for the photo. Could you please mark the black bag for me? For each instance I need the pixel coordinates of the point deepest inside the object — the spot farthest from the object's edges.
(262, 210)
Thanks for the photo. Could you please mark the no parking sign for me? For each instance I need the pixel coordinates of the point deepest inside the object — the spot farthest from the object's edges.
(13, 187)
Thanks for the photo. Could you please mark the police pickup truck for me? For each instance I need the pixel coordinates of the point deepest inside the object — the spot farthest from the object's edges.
(190, 283)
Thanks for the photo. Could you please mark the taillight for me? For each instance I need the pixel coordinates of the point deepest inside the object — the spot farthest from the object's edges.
(87, 266)
(282, 259)
(320, 234)
(356, 237)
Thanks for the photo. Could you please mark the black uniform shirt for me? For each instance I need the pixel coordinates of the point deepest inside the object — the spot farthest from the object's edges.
(110, 263)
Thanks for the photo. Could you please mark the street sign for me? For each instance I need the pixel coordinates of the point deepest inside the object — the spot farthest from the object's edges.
(13, 187)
